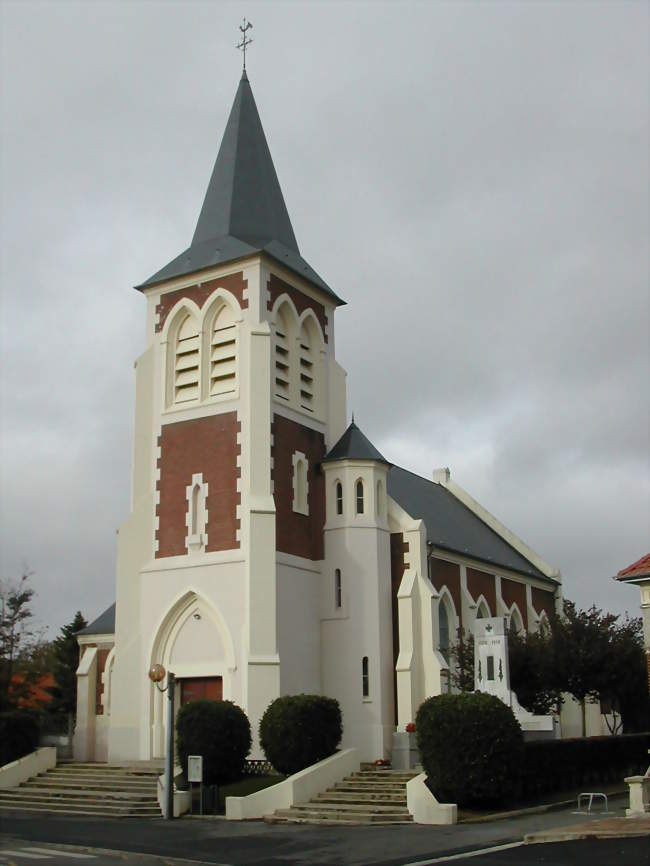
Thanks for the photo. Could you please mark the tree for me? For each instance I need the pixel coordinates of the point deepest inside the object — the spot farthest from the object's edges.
(623, 679)
(17, 638)
(532, 672)
(66, 662)
(461, 661)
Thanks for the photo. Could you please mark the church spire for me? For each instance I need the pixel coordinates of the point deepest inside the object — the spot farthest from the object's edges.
(244, 199)
(243, 211)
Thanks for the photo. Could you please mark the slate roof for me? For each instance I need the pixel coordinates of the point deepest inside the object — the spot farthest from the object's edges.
(640, 568)
(104, 624)
(353, 445)
(453, 526)
(244, 210)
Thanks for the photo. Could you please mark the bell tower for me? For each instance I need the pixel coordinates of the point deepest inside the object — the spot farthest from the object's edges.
(238, 398)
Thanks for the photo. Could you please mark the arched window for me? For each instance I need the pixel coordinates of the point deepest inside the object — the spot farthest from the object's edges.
(516, 621)
(339, 498)
(365, 677)
(282, 355)
(223, 353)
(300, 483)
(194, 516)
(483, 612)
(186, 362)
(359, 496)
(338, 589)
(443, 630)
(380, 498)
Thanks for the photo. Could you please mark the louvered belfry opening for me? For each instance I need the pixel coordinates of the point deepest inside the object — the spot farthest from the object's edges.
(223, 353)
(306, 371)
(187, 362)
(282, 359)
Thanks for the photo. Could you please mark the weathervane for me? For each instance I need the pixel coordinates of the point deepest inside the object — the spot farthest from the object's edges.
(244, 27)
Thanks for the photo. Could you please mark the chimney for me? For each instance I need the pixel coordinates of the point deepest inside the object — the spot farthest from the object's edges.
(441, 476)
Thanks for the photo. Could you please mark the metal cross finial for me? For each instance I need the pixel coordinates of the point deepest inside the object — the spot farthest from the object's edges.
(245, 26)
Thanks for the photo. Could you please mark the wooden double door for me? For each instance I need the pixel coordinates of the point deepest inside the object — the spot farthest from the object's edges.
(201, 689)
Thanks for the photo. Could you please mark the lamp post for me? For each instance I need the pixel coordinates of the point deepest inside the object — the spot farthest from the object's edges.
(156, 675)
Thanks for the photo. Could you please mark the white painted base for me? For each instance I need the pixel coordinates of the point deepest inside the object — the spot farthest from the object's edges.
(299, 788)
(424, 807)
(17, 772)
(182, 799)
(639, 796)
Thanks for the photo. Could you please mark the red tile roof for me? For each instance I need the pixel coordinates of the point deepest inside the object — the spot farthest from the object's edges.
(640, 568)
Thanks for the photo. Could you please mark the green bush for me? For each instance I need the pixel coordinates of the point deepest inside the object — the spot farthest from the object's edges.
(218, 730)
(560, 765)
(19, 733)
(299, 730)
(471, 748)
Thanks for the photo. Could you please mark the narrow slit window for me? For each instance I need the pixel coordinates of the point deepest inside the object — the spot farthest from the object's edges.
(339, 498)
(194, 517)
(365, 678)
(359, 497)
(490, 668)
(338, 590)
(380, 498)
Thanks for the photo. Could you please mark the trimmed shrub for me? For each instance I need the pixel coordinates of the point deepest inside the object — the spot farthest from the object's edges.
(471, 748)
(218, 730)
(19, 734)
(560, 765)
(299, 730)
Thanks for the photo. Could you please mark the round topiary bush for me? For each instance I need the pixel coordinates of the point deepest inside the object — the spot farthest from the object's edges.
(299, 730)
(471, 747)
(218, 730)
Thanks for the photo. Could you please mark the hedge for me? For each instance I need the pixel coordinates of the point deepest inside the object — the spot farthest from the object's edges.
(220, 732)
(471, 748)
(19, 734)
(559, 765)
(296, 731)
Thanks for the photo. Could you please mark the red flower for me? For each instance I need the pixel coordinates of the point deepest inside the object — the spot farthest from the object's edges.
(410, 727)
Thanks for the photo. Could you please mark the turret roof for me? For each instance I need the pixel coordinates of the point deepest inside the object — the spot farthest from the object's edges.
(244, 210)
(353, 445)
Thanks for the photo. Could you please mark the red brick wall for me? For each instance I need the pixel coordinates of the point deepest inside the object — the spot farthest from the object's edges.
(298, 534)
(543, 600)
(512, 592)
(234, 283)
(301, 302)
(447, 574)
(207, 445)
(481, 583)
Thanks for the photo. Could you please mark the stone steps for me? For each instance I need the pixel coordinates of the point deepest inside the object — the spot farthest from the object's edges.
(88, 789)
(366, 797)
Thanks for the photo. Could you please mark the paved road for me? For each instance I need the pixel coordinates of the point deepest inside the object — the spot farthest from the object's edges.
(17, 853)
(257, 844)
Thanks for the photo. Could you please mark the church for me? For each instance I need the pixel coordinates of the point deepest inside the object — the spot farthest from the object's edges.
(271, 549)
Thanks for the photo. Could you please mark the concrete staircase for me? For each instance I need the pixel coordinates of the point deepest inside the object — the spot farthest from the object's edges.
(89, 789)
(370, 796)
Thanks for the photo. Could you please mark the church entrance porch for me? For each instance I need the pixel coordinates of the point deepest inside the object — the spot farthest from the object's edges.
(201, 689)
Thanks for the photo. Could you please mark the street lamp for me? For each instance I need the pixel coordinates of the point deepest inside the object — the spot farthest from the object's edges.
(157, 675)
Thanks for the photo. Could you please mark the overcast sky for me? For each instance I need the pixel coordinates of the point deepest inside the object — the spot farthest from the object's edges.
(471, 177)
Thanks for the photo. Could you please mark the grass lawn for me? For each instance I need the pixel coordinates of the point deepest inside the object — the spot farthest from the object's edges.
(240, 788)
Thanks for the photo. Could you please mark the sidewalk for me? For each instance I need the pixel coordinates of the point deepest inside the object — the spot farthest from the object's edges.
(606, 828)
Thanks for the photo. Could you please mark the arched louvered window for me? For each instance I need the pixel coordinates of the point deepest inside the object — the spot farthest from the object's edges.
(359, 497)
(339, 498)
(187, 362)
(223, 353)
(306, 394)
(282, 356)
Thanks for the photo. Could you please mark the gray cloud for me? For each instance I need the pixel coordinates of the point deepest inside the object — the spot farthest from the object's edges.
(472, 178)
